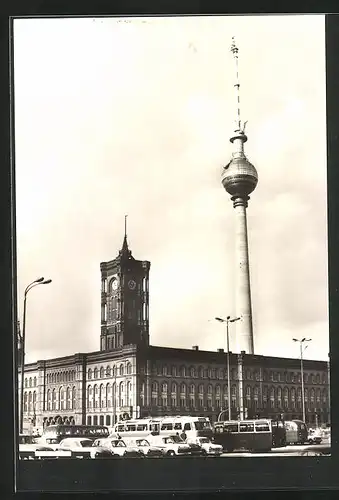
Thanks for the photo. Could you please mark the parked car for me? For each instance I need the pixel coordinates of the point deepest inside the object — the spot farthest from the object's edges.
(28, 445)
(172, 445)
(207, 446)
(146, 448)
(83, 448)
(119, 448)
(314, 436)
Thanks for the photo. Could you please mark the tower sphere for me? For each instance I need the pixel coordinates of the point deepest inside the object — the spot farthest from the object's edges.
(239, 177)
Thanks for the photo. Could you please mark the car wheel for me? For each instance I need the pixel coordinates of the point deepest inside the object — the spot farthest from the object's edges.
(203, 453)
(171, 453)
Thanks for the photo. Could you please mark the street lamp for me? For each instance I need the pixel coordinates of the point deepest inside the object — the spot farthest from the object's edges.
(227, 321)
(301, 342)
(39, 281)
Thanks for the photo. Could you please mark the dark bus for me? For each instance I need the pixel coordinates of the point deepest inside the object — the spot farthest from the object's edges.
(278, 433)
(251, 435)
(53, 434)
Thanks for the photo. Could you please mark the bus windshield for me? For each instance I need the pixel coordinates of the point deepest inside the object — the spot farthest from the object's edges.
(202, 425)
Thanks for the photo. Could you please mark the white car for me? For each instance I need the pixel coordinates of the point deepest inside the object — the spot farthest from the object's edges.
(146, 448)
(119, 448)
(171, 445)
(84, 448)
(208, 448)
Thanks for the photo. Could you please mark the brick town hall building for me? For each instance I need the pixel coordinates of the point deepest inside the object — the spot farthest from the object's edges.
(128, 376)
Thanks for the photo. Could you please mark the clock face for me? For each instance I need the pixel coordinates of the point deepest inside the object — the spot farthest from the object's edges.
(114, 284)
(132, 284)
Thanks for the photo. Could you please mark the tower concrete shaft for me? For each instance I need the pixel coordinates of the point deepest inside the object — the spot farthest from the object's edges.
(244, 328)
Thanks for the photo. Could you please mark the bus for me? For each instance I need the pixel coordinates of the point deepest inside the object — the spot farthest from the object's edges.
(185, 426)
(251, 435)
(53, 434)
(278, 433)
(296, 432)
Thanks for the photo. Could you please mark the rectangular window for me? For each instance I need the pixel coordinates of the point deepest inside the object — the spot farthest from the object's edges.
(246, 427)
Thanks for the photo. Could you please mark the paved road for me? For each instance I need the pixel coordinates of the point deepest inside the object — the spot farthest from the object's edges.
(285, 451)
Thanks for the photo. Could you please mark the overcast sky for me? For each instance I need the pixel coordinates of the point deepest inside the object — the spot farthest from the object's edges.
(116, 117)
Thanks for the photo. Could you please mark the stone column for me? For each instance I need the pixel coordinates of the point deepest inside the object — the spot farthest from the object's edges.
(244, 330)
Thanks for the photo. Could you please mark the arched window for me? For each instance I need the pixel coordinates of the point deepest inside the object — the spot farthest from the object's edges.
(272, 393)
(121, 370)
(306, 394)
(192, 389)
(30, 401)
(201, 372)
(30, 382)
(234, 390)
(248, 392)
(89, 397)
(108, 395)
(174, 388)
(49, 400)
(102, 372)
(248, 374)
(183, 389)
(25, 402)
(209, 390)
(318, 395)
(312, 396)
(26, 383)
(95, 396)
(164, 387)
(102, 402)
(317, 379)
(192, 371)
(89, 373)
(129, 368)
(121, 394)
(53, 399)
(95, 372)
(61, 398)
(129, 393)
(183, 371)
(279, 393)
(89, 420)
(68, 398)
(155, 387)
(324, 396)
(234, 374)
(114, 371)
(256, 392)
(108, 371)
(73, 398)
(108, 420)
(174, 371)
(34, 382)
(165, 370)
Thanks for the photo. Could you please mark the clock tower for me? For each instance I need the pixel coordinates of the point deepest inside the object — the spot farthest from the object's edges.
(124, 300)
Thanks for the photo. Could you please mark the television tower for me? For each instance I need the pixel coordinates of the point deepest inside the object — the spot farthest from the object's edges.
(240, 178)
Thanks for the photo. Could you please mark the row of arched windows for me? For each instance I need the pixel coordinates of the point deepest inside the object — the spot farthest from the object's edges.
(108, 395)
(248, 374)
(291, 377)
(109, 371)
(62, 399)
(30, 401)
(64, 376)
(30, 382)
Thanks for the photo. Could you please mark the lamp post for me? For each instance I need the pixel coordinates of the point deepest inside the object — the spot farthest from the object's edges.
(39, 281)
(228, 320)
(301, 342)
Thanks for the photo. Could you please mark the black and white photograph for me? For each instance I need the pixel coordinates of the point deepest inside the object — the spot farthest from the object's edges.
(171, 237)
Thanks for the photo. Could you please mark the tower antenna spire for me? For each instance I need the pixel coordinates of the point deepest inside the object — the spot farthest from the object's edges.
(234, 49)
(126, 226)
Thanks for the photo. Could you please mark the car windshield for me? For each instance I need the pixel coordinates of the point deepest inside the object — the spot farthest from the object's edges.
(85, 443)
(142, 442)
(116, 443)
(202, 425)
(173, 439)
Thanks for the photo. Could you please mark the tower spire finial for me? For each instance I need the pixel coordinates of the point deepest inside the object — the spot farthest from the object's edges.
(240, 128)
(126, 226)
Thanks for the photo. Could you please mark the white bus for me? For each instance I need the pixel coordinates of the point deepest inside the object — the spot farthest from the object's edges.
(184, 426)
